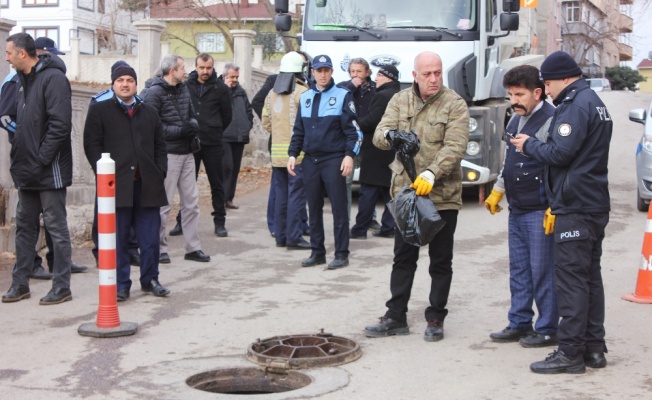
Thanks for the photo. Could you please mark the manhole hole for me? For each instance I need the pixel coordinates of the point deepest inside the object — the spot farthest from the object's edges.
(280, 356)
(304, 351)
(247, 381)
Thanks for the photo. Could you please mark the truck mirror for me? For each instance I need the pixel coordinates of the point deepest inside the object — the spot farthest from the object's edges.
(508, 22)
(511, 5)
(283, 22)
(320, 3)
(281, 6)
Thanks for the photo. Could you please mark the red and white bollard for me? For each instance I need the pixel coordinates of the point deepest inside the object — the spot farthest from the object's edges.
(108, 319)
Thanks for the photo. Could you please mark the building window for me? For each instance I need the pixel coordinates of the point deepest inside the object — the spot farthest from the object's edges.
(4, 3)
(85, 5)
(39, 3)
(210, 42)
(86, 41)
(101, 6)
(573, 13)
(37, 32)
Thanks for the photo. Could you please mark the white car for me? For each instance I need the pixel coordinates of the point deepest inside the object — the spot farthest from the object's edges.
(643, 158)
(599, 84)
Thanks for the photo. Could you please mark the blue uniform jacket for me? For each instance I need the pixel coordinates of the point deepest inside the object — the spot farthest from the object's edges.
(325, 125)
(576, 153)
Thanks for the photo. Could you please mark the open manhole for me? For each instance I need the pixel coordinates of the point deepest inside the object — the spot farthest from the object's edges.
(279, 356)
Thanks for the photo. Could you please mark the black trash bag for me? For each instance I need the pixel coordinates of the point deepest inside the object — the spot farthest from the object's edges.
(416, 217)
(407, 146)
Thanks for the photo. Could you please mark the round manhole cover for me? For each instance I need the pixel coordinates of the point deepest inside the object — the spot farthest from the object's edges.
(303, 351)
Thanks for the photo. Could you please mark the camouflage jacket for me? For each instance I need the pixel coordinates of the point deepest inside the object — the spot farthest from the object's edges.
(442, 125)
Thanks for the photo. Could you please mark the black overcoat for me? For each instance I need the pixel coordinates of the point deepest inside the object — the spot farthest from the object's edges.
(133, 142)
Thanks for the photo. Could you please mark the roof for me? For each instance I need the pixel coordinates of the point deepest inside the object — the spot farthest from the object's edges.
(178, 10)
(645, 64)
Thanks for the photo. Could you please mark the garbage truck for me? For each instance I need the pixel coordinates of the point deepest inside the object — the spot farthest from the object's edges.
(475, 39)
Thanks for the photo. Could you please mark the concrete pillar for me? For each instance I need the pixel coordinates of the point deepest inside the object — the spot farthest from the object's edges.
(165, 49)
(5, 26)
(73, 66)
(149, 49)
(258, 56)
(242, 42)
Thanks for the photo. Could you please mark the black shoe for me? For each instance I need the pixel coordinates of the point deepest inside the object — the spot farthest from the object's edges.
(557, 362)
(357, 236)
(156, 289)
(282, 244)
(16, 293)
(301, 245)
(509, 335)
(434, 331)
(134, 260)
(197, 255)
(76, 268)
(40, 273)
(595, 360)
(164, 258)
(56, 296)
(220, 231)
(177, 230)
(122, 295)
(387, 327)
(230, 205)
(388, 235)
(374, 226)
(313, 260)
(338, 262)
(538, 340)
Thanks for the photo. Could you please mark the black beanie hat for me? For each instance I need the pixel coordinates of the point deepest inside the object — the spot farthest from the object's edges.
(122, 70)
(559, 65)
(389, 71)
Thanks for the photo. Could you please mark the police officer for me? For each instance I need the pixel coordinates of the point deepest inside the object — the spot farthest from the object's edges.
(325, 129)
(576, 155)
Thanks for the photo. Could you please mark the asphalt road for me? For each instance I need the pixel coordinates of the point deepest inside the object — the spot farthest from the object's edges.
(251, 289)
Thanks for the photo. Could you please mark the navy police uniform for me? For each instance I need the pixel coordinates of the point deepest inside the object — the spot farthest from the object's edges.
(576, 155)
(326, 130)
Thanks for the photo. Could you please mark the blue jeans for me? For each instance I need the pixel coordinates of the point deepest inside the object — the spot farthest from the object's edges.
(531, 274)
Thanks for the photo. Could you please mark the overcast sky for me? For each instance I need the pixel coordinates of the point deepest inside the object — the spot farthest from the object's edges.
(641, 38)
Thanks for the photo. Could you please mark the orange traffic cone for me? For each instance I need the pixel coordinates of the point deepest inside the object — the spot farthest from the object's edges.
(643, 293)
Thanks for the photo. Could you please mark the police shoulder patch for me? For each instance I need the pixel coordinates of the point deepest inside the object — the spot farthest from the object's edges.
(352, 106)
(564, 130)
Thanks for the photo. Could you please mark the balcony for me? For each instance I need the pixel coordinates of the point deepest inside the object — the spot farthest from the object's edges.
(626, 24)
(625, 52)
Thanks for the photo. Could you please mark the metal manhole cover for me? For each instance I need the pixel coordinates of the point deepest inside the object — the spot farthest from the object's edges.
(303, 351)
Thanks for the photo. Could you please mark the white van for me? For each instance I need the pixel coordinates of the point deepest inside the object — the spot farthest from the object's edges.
(599, 84)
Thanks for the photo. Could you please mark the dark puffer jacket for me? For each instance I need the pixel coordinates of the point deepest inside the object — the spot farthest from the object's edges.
(41, 155)
(175, 109)
(212, 106)
(242, 119)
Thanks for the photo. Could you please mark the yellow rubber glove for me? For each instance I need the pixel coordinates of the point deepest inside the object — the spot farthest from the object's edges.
(548, 222)
(491, 204)
(424, 182)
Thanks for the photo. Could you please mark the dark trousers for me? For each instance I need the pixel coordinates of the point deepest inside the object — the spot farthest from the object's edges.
(578, 281)
(369, 195)
(317, 178)
(290, 200)
(440, 250)
(52, 203)
(212, 158)
(271, 207)
(133, 243)
(145, 222)
(231, 164)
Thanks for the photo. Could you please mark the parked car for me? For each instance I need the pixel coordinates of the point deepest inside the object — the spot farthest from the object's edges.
(599, 84)
(643, 158)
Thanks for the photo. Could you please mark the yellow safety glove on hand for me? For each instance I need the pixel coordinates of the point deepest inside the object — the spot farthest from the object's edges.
(424, 182)
(548, 222)
(491, 204)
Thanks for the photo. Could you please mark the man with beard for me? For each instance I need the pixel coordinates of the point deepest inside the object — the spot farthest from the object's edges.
(531, 264)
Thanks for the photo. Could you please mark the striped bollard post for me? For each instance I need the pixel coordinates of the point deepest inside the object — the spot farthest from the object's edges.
(108, 319)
